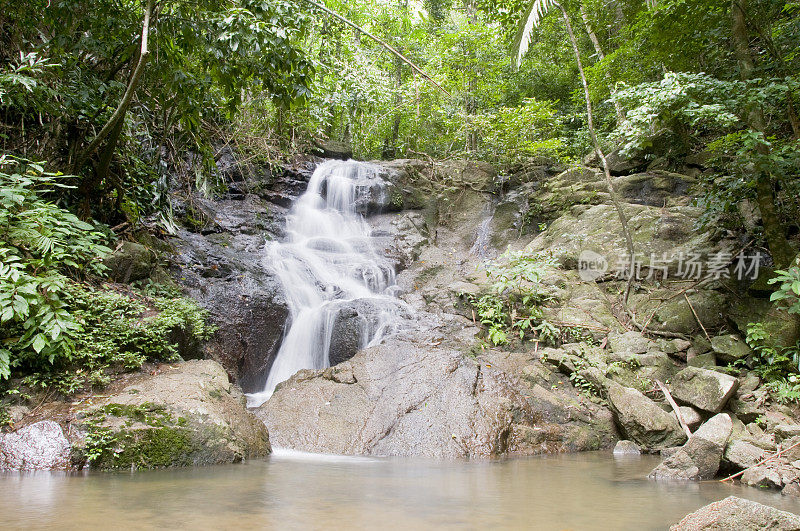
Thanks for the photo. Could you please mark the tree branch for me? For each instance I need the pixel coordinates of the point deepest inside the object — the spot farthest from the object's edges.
(122, 107)
(386, 45)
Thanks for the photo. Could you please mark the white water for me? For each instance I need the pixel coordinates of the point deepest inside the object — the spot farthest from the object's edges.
(326, 264)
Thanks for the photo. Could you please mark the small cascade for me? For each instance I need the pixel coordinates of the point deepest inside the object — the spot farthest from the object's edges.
(333, 277)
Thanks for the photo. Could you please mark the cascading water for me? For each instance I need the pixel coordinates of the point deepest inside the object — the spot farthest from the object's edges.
(327, 264)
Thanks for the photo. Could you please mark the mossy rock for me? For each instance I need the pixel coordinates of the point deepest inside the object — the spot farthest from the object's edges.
(130, 262)
(187, 414)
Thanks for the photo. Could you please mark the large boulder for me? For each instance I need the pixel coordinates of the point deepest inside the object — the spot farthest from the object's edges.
(186, 414)
(702, 388)
(738, 514)
(416, 395)
(742, 454)
(642, 420)
(130, 262)
(699, 458)
(40, 446)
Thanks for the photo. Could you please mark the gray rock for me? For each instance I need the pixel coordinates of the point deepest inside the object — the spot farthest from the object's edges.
(738, 514)
(699, 458)
(730, 348)
(415, 395)
(631, 342)
(704, 361)
(130, 262)
(642, 420)
(792, 489)
(184, 415)
(763, 477)
(40, 446)
(743, 454)
(690, 416)
(786, 431)
(627, 448)
(707, 390)
(746, 410)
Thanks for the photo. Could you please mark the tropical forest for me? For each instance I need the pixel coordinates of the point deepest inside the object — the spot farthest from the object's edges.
(412, 264)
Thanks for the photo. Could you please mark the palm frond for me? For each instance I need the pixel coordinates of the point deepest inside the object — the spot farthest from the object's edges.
(533, 16)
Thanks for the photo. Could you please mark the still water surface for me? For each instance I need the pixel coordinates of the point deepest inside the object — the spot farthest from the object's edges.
(299, 491)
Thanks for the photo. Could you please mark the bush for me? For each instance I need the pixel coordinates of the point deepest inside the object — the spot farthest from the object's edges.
(41, 244)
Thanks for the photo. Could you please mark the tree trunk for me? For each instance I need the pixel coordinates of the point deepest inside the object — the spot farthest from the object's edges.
(599, 50)
(612, 191)
(122, 107)
(774, 232)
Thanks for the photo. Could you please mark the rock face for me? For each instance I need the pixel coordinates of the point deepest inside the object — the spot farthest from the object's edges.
(738, 514)
(187, 414)
(699, 458)
(705, 389)
(225, 272)
(40, 446)
(642, 420)
(413, 397)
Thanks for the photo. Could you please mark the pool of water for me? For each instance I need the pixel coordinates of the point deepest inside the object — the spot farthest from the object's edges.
(302, 491)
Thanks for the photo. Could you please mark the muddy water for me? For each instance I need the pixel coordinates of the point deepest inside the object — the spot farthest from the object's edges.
(298, 491)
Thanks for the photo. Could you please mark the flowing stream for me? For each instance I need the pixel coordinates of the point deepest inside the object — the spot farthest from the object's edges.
(333, 277)
(300, 491)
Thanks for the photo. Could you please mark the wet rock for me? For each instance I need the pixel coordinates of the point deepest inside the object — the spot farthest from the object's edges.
(130, 262)
(743, 454)
(186, 414)
(354, 322)
(40, 446)
(642, 420)
(707, 390)
(334, 149)
(700, 457)
(730, 348)
(415, 395)
(739, 514)
(627, 448)
(227, 275)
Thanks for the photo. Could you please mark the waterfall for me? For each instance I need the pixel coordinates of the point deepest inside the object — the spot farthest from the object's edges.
(332, 275)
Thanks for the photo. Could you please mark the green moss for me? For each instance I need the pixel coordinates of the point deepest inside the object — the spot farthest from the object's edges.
(148, 437)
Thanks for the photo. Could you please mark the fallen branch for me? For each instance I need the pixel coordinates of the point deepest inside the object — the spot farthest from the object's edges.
(685, 296)
(675, 408)
(770, 458)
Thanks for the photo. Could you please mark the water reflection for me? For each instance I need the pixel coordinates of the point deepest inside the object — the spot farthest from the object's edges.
(302, 491)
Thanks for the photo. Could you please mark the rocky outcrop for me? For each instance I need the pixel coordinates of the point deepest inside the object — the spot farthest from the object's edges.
(417, 395)
(702, 388)
(185, 414)
(737, 513)
(700, 457)
(642, 420)
(225, 272)
(40, 446)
